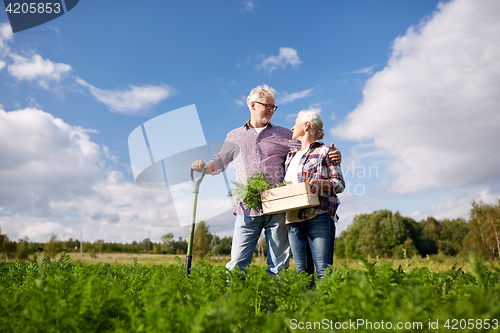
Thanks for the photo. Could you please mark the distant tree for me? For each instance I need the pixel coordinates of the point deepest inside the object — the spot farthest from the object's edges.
(53, 247)
(453, 233)
(3, 238)
(156, 249)
(431, 229)
(428, 235)
(454, 230)
(202, 240)
(22, 249)
(340, 245)
(135, 247)
(346, 244)
(168, 243)
(224, 247)
(379, 234)
(9, 248)
(99, 246)
(483, 237)
(180, 246)
(388, 235)
(71, 245)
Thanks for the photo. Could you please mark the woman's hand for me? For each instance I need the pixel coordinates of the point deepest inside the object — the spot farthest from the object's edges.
(320, 186)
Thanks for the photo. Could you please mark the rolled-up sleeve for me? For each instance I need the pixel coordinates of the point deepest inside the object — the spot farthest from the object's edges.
(227, 154)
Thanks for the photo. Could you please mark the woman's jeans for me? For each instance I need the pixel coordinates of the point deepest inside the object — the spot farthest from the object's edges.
(316, 235)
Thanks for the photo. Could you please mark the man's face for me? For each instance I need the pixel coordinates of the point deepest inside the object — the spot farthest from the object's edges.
(259, 111)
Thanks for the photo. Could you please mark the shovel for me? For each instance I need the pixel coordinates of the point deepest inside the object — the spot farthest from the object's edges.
(196, 190)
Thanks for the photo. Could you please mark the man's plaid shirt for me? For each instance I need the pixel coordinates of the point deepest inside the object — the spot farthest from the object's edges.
(315, 164)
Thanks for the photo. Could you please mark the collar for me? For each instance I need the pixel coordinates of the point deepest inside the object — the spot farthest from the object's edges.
(311, 146)
(247, 124)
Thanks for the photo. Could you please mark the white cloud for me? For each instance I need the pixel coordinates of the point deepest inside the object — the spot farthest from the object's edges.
(5, 35)
(54, 29)
(457, 206)
(33, 68)
(350, 206)
(56, 180)
(37, 69)
(287, 56)
(285, 97)
(135, 100)
(434, 107)
(44, 72)
(240, 102)
(316, 107)
(367, 71)
(291, 117)
(282, 98)
(44, 159)
(249, 6)
(35, 228)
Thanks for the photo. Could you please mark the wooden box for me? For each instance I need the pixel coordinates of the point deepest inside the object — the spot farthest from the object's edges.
(287, 198)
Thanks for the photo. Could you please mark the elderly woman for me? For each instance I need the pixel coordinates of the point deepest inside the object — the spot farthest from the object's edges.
(313, 229)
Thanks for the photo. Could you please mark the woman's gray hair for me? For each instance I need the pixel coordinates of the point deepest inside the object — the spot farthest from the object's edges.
(258, 92)
(315, 123)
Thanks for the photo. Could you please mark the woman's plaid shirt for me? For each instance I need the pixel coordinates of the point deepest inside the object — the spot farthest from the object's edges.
(315, 164)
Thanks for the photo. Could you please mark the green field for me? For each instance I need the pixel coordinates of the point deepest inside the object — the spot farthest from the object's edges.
(68, 296)
(433, 263)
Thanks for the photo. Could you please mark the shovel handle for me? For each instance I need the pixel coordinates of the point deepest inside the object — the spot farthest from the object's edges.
(197, 182)
(196, 190)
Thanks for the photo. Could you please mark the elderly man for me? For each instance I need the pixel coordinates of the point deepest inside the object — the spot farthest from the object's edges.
(257, 146)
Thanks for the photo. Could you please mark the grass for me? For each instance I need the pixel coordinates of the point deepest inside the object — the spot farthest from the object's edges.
(147, 259)
(64, 295)
(436, 263)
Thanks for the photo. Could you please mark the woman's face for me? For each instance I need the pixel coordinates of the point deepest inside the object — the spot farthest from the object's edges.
(298, 129)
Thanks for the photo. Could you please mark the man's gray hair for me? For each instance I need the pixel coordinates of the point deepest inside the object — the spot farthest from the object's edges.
(315, 122)
(258, 92)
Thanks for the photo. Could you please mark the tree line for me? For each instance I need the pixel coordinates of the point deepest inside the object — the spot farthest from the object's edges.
(204, 242)
(386, 235)
(378, 234)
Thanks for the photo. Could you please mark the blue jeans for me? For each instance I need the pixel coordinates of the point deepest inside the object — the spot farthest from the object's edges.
(316, 235)
(247, 231)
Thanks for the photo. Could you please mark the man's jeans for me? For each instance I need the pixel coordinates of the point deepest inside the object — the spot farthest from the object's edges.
(318, 234)
(247, 231)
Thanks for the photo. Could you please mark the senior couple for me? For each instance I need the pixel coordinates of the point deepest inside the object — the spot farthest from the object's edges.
(296, 156)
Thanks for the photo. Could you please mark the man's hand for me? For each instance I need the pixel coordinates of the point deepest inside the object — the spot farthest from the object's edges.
(320, 185)
(199, 165)
(335, 155)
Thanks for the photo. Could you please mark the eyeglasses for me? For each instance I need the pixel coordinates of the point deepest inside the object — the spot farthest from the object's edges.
(268, 106)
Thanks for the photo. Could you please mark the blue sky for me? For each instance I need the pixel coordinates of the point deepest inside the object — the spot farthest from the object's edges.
(408, 91)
